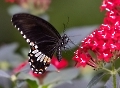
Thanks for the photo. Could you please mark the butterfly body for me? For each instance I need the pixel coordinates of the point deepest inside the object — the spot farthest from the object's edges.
(43, 38)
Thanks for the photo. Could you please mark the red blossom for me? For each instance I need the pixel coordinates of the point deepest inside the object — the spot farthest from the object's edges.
(82, 62)
(83, 59)
(20, 67)
(59, 65)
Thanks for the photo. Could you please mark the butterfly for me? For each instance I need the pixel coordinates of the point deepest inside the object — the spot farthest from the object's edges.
(43, 38)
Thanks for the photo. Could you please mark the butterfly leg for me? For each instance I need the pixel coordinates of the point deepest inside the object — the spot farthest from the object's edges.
(59, 54)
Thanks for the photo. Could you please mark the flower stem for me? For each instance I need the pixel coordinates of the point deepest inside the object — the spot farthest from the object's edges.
(114, 75)
(107, 70)
(114, 81)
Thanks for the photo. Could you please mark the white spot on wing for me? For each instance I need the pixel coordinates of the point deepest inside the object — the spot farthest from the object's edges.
(33, 66)
(36, 46)
(45, 68)
(28, 40)
(31, 60)
(18, 28)
(37, 54)
(24, 36)
(35, 72)
(42, 58)
(30, 51)
(39, 57)
(30, 63)
(20, 32)
(31, 43)
(35, 51)
(40, 73)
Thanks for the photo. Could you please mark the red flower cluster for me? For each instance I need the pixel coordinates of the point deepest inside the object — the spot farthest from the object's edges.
(59, 65)
(105, 41)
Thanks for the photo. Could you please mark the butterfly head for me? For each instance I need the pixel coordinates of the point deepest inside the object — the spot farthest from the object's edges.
(65, 40)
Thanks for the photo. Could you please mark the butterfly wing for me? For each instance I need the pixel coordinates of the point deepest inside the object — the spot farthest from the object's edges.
(41, 36)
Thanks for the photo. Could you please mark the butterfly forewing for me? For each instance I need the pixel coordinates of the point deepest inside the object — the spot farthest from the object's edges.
(41, 36)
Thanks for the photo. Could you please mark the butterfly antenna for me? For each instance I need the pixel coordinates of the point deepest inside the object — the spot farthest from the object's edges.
(73, 43)
(65, 26)
(68, 21)
(67, 48)
(74, 35)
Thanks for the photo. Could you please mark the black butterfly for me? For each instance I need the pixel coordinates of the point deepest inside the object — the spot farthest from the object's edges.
(43, 38)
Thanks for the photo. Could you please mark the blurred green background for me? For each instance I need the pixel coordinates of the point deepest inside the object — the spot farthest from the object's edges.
(80, 13)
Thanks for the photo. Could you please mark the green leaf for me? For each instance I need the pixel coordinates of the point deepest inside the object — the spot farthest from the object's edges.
(4, 74)
(21, 84)
(32, 83)
(24, 76)
(62, 77)
(92, 54)
(7, 54)
(24, 52)
(95, 79)
(109, 83)
(118, 70)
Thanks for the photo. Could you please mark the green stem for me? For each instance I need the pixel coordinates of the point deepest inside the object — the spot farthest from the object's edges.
(118, 70)
(114, 75)
(114, 81)
(106, 70)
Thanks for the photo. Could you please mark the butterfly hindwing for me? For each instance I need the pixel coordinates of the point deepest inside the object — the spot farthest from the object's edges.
(38, 61)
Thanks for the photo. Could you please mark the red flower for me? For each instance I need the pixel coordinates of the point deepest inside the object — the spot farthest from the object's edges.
(20, 67)
(83, 59)
(105, 41)
(59, 65)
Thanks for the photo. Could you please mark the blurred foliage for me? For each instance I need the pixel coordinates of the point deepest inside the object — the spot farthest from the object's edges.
(19, 74)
